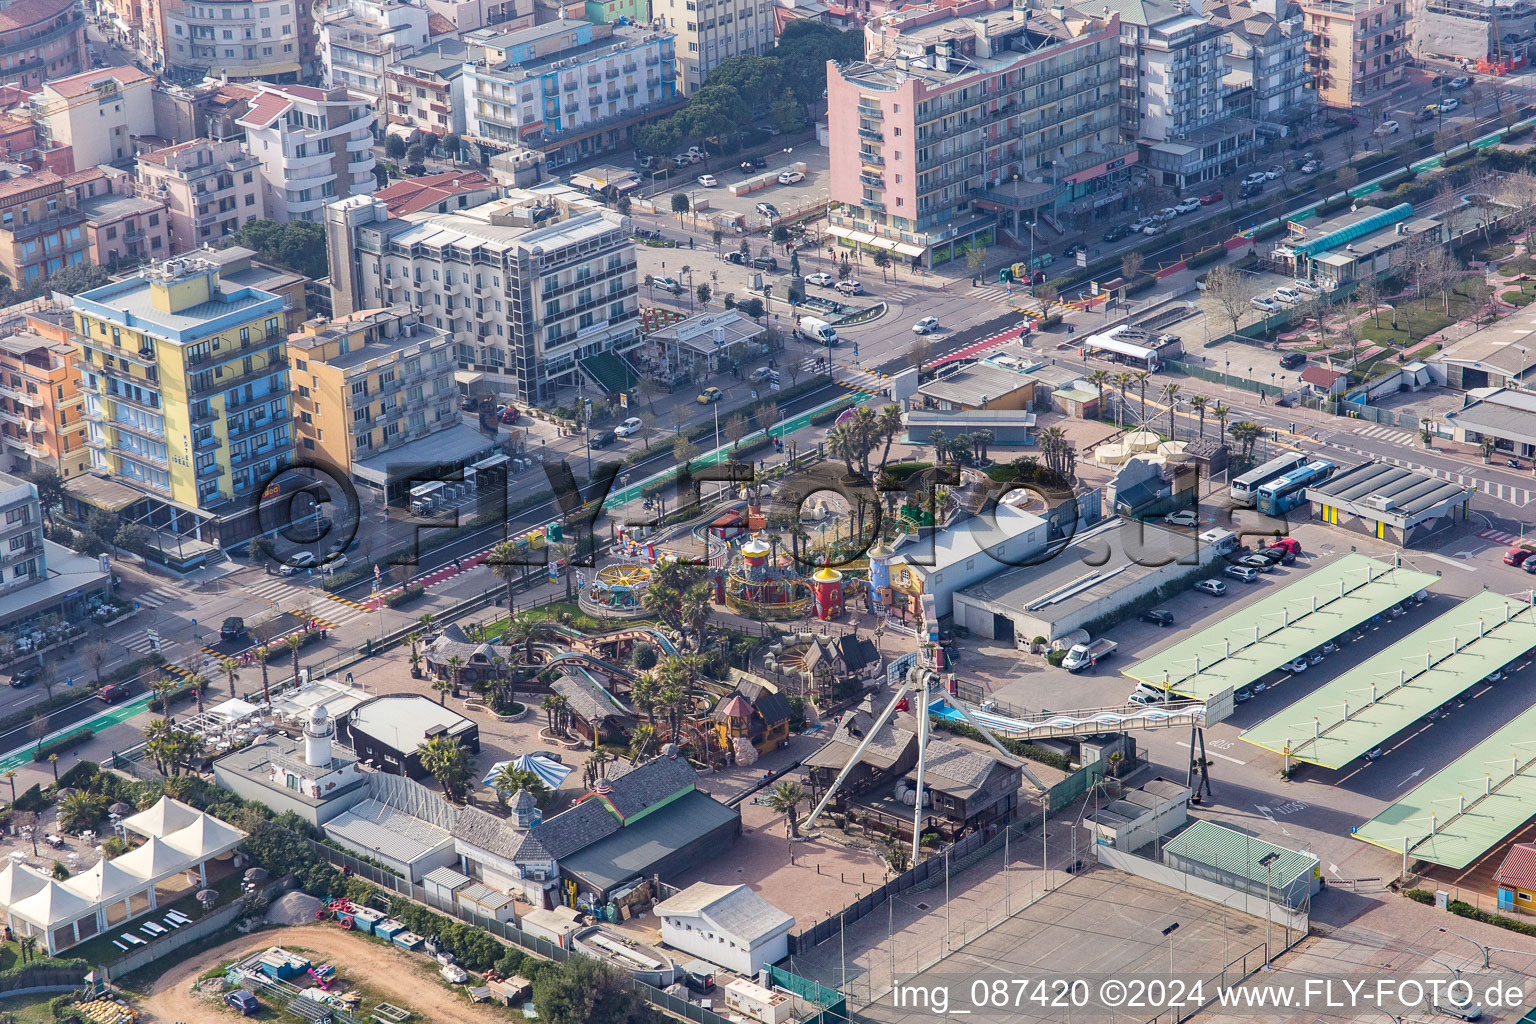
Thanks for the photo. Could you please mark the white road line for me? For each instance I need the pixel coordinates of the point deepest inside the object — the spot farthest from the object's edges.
(1212, 753)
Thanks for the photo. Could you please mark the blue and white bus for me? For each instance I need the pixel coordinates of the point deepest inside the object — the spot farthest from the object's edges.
(1245, 489)
(1278, 497)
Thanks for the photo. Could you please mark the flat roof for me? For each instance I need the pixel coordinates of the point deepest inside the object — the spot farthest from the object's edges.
(374, 826)
(1098, 563)
(1500, 411)
(458, 443)
(402, 720)
(975, 385)
(1407, 494)
(1280, 626)
(1469, 806)
(1316, 728)
(1238, 853)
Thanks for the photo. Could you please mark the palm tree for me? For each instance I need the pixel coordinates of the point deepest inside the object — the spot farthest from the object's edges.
(261, 654)
(1171, 393)
(640, 740)
(1198, 403)
(504, 565)
(663, 601)
(1099, 378)
(508, 779)
(548, 704)
(897, 855)
(696, 611)
(593, 769)
(444, 759)
(842, 445)
(890, 425)
(426, 620)
(293, 642)
(1123, 381)
(455, 676)
(521, 632)
(231, 669)
(785, 799)
(1220, 413)
(198, 682)
(1246, 433)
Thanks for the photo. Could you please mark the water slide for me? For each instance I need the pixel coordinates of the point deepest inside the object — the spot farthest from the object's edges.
(1083, 722)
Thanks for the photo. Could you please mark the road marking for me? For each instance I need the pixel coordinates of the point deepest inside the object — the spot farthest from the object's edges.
(1213, 753)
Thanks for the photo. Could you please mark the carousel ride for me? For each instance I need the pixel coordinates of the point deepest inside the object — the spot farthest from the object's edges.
(615, 590)
(750, 585)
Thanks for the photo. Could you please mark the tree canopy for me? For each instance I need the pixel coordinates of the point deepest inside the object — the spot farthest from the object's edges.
(585, 990)
(298, 246)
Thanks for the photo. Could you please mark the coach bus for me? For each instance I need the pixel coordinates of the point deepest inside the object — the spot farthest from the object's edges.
(1107, 346)
(1245, 489)
(1278, 497)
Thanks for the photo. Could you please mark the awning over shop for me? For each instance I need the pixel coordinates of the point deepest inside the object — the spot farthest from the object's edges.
(908, 249)
(494, 460)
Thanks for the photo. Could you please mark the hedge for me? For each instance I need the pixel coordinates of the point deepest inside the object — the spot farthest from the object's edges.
(1334, 205)
(475, 949)
(1461, 908)
(1210, 254)
(405, 595)
(31, 800)
(1269, 232)
(1517, 131)
(63, 743)
(832, 412)
(901, 471)
(1456, 158)
(1420, 895)
(1142, 282)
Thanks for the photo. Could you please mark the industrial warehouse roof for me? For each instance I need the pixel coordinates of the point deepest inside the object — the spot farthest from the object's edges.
(1467, 807)
(1317, 728)
(1238, 853)
(1498, 411)
(1286, 624)
(1375, 488)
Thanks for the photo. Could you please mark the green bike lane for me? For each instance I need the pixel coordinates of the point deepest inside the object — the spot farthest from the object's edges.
(799, 421)
(115, 715)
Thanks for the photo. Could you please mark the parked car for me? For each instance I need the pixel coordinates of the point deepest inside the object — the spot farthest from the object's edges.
(668, 284)
(1449, 104)
(1140, 223)
(1310, 167)
(1374, 754)
(850, 287)
(1460, 82)
(1242, 695)
(1529, 565)
(1166, 214)
(768, 210)
(1306, 287)
(1211, 197)
(1071, 251)
(1257, 562)
(1154, 228)
(1215, 588)
(1291, 360)
(1387, 127)
(822, 278)
(707, 180)
(232, 629)
(1117, 232)
(1265, 303)
(629, 427)
(1241, 572)
(1188, 206)
(791, 178)
(1289, 296)
(1183, 517)
(1160, 616)
(1516, 556)
(298, 563)
(603, 438)
(1290, 544)
(710, 394)
(765, 263)
(1249, 191)
(1256, 178)
(1295, 667)
(112, 692)
(1429, 113)
(1142, 699)
(927, 325)
(243, 1001)
(25, 678)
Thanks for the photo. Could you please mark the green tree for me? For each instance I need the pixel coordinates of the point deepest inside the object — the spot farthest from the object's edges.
(415, 155)
(50, 489)
(786, 798)
(394, 147)
(507, 779)
(680, 203)
(298, 246)
(703, 292)
(73, 280)
(452, 144)
(584, 990)
(785, 114)
(444, 759)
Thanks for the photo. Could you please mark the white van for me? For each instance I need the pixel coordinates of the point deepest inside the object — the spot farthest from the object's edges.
(816, 330)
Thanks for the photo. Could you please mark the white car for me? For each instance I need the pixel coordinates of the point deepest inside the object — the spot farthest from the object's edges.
(1289, 296)
(1306, 287)
(1188, 206)
(822, 278)
(850, 287)
(791, 178)
(1183, 517)
(1155, 228)
(1449, 104)
(299, 562)
(629, 427)
(1272, 173)
(707, 180)
(927, 325)
(1166, 214)
(334, 563)
(1256, 178)
(1310, 167)
(1295, 667)
(1386, 128)
(1460, 82)
(1264, 303)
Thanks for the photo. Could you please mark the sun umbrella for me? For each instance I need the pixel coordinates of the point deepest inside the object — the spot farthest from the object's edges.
(551, 773)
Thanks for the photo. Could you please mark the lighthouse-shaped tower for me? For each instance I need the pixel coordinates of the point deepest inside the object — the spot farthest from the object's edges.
(319, 733)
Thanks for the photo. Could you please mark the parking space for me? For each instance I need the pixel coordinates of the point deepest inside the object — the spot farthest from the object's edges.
(790, 200)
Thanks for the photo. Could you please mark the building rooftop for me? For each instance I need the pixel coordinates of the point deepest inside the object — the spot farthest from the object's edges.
(991, 535)
(1518, 871)
(443, 59)
(376, 825)
(256, 762)
(1502, 412)
(1096, 564)
(1239, 853)
(428, 191)
(404, 721)
(975, 385)
(732, 909)
(1405, 492)
(87, 82)
(458, 443)
(68, 572)
(623, 37)
(634, 851)
(128, 303)
(115, 207)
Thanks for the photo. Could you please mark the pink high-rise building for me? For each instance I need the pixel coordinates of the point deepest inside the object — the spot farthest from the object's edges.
(970, 118)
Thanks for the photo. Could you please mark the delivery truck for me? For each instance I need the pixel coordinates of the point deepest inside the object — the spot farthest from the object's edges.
(816, 330)
(1082, 655)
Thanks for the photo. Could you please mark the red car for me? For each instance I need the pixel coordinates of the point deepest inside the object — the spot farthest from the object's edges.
(1214, 197)
(1290, 544)
(112, 693)
(1515, 556)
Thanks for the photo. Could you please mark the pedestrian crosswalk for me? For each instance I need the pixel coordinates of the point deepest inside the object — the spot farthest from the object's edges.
(1385, 433)
(1014, 297)
(1498, 536)
(156, 597)
(275, 590)
(870, 382)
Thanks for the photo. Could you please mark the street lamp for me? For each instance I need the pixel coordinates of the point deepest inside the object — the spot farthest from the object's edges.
(788, 152)
(1267, 862)
(1169, 933)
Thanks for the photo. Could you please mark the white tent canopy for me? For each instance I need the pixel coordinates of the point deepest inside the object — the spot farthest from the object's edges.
(165, 816)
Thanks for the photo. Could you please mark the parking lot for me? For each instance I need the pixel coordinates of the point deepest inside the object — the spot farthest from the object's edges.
(789, 200)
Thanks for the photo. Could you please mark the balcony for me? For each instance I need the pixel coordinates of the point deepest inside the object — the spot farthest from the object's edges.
(611, 73)
(872, 113)
(872, 158)
(211, 443)
(630, 90)
(872, 180)
(275, 364)
(871, 134)
(245, 427)
(21, 397)
(250, 457)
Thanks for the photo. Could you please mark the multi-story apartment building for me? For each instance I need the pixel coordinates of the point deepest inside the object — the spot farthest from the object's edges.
(468, 15)
(709, 31)
(966, 118)
(1172, 92)
(97, 113)
(209, 190)
(361, 40)
(1357, 52)
(39, 578)
(426, 90)
(375, 397)
(41, 40)
(598, 11)
(1267, 76)
(527, 296)
(186, 394)
(233, 40)
(205, 110)
(569, 88)
(1475, 29)
(41, 422)
(41, 230)
(314, 145)
(124, 229)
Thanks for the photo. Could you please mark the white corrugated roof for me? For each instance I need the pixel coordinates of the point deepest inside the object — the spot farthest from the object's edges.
(730, 909)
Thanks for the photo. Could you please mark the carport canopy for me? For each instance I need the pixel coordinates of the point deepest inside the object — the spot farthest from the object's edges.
(1248, 645)
(1384, 695)
(1469, 806)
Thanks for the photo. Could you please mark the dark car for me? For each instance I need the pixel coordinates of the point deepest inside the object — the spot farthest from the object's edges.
(1161, 616)
(112, 693)
(604, 438)
(1071, 251)
(469, 404)
(1117, 232)
(26, 677)
(243, 1001)
(765, 263)
(232, 629)
(1291, 360)
(759, 161)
